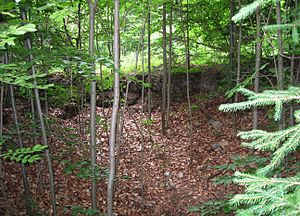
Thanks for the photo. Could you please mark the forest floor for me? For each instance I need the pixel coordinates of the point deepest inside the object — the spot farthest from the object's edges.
(155, 175)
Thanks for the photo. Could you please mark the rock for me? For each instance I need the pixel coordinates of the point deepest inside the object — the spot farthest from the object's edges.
(180, 175)
(170, 186)
(224, 143)
(168, 174)
(217, 147)
(215, 124)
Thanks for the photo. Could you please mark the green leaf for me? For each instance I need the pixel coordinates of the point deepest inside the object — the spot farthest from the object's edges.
(295, 35)
(23, 29)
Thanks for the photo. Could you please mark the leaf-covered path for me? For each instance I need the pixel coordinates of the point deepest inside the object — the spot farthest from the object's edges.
(154, 175)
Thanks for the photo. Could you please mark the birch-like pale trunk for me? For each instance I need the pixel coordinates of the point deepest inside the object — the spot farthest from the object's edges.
(92, 11)
(115, 110)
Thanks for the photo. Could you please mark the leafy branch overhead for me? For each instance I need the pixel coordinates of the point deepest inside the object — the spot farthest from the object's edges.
(8, 35)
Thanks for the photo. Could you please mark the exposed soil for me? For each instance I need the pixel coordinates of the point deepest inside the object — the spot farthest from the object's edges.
(154, 176)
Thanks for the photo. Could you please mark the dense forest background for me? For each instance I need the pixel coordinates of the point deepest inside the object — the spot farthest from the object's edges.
(127, 107)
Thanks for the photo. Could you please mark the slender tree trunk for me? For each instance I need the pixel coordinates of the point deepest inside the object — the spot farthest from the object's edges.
(2, 185)
(169, 65)
(164, 87)
(292, 75)
(149, 60)
(143, 73)
(238, 74)
(92, 9)
(188, 55)
(42, 123)
(190, 123)
(141, 40)
(231, 27)
(115, 110)
(257, 63)
(23, 168)
(78, 41)
(280, 75)
(20, 141)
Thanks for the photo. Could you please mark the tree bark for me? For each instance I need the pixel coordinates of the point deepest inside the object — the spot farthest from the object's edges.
(188, 55)
(280, 75)
(20, 141)
(149, 61)
(92, 10)
(78, 41)
(169, 66)
(257, 63)
(231, 40)
(42, 123)
(238, 74)
(3, 190)
(292, 75)
(115, 110)
(164, 88)
(189, 117)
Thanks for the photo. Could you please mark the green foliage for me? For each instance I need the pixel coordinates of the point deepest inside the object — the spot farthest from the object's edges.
(268, 97)
(9, 34)
(212, 207)
(265, 193)
(82, 169)
(148, 122)
(25, 154)
(268, 196)
(248, 163)
(80, 210)
(249, 9)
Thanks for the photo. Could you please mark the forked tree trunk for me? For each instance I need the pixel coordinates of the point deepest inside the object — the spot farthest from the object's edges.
(92, 10)
(164, 87)
(257, 63)
(115, 110)
(42, 123)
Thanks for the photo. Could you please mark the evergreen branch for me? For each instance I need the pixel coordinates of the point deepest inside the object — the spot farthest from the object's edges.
(263, 140)
(268, 97)
(289, 146)
(248, 10)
